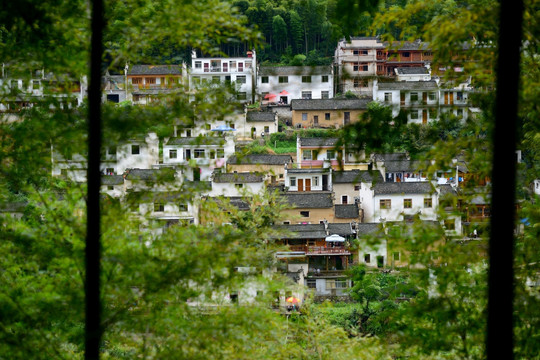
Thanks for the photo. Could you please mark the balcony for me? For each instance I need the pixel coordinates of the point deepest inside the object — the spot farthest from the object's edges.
(320, 250)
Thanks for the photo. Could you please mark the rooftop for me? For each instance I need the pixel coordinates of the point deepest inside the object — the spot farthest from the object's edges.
(408, 85)
(330, 104)
(112, 179)
(199, 140)
(155, 70)
(417, 70)
(263, 159)
(319, 142)
(242, 178)
(315, 200)
(163, 174)
(260, 116)
(348, 211)
(356, 176)
(387, 188)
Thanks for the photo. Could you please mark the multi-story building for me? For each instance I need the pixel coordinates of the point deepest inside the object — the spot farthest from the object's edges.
(147, 82)
(242, 71)
(327, 113)
(324, 152)
(273, 166)
(280, 85)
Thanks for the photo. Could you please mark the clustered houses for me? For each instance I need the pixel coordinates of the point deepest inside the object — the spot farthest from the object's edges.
(333, 197)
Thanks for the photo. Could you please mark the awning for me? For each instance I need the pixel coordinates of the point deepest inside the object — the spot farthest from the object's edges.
(335, 237)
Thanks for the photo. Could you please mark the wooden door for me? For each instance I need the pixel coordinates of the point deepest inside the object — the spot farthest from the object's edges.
(424, 116)
(308, 184)
(424, 97)
(300, 184)
(451, 98)
(402, 98)
(445, 98)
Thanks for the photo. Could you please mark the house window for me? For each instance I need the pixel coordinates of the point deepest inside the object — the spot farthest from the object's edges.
(304, 213)
(325, 78)
(459, 96)
(431, 96)
(286, 223)
(311, 283)
(414, 96)
(283, 79)
(306, 78)
(428, 202)
(292, 182)
(395, 256)
(367, 258)
(356, 187)
(35, 85)
(198, 154)
(241, 79)
(150, 80)
(357, 83)
(356, 52)
(344, 199)
(198, 64)
(330, 155)
(355, 67)
(414, 115)
(220, 153)
(239, 186)
(267, 129)
(109, 171)
(159, 207)
(346, 117)
(450, 224)
(188, 133)
(379, 68)
(325, 94)
(407, 203)
(306, 94)
(385, 203)
(315, 181)
(173, 154)
(432, 113)
(327, 116)
(212, 154)
(306, 155)
(388, 97)
(135, 149)
(264, 79)
(406, 54)
(136, 81)
(241, 96)
(182, 207)
(330, 284)
(459, 113)
(304, 116)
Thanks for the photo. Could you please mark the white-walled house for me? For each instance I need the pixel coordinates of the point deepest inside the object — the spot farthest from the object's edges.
(259, 124)
(346, 184)
(198, 155)
(242, 71)
(317, 179)
(237, 184)
(295, 82)
(413, 74)
(398, 201)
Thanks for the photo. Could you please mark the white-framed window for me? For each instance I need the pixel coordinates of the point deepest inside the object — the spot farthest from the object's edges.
(306, 94)
(199, 154)
(325, 94)
(315, 181)
(198, 64)
(241, 79)
(432, 96)
(173, 154)
(292, 181)
(330, 155)
(414, 96)
(385, 203)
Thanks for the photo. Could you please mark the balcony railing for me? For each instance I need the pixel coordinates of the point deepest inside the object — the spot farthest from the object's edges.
(320, 250)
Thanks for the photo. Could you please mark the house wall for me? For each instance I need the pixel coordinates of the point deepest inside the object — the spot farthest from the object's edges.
(397, 210)
(336, 118)
(315, 179)
(148, 154)
(272, 170)
(315, 215)
(295, 87)
(348, 190)
(374, 250)
(236, 189)
(254, 129)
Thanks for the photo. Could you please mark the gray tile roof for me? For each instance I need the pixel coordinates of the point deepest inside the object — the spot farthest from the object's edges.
(349, 211)
(263, 159)
(367, 228)
(356, 176)
(294, 70)
(260, 116)
(408, 45)
(306, 200)
(194, 141)
(408, 85)
(405, 165)
(242, 178)
(340, 229)
(414, 70)
(307, 171)
(164, 174)
(301, 231)
(151, 196)
(112, 179)
(155, 70)
(238, 202)
(319, 142)
(420, 187)
(330, 104)
(447, 189)
(390, 157)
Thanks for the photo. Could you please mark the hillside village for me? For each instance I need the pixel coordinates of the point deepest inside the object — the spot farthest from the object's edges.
(334, 197)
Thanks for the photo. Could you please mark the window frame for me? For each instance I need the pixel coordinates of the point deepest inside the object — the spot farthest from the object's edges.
(385, 204)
